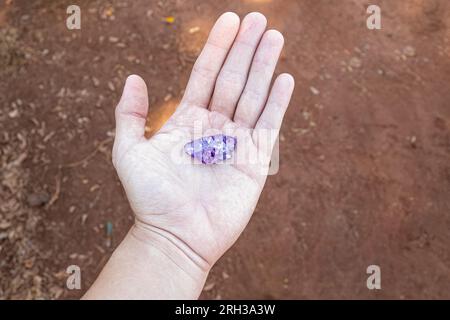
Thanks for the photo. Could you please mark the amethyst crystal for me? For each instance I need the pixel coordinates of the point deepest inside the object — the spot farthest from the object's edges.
(212, 149)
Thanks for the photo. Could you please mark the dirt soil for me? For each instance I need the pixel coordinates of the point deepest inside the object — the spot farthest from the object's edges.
(365, 148)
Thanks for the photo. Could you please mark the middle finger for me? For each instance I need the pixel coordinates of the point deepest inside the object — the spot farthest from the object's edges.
(233, 76)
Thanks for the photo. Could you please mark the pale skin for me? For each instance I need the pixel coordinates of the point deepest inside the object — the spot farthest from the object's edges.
(188, 215)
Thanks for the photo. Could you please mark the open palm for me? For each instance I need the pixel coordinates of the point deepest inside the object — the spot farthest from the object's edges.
(202, 209)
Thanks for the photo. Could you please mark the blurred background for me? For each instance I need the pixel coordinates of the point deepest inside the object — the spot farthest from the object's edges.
(365, 148)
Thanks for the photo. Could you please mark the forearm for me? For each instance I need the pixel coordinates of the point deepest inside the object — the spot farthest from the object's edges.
(143, 269)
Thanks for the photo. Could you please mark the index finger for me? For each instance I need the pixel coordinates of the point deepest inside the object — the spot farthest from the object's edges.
(204, 73)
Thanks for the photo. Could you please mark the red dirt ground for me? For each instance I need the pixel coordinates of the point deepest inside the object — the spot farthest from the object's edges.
(365, 170)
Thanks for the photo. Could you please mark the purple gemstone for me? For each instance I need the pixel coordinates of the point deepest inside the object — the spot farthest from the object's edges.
(211, 149)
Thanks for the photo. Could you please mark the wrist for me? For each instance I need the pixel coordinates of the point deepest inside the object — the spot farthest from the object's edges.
(176, 255)
(146, 267)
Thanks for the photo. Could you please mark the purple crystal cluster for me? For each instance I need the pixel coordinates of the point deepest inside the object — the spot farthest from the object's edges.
(212, 149)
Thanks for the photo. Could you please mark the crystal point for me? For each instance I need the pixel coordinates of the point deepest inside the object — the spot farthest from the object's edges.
(211, 149)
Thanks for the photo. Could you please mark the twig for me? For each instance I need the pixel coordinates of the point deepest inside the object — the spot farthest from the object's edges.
(57, 192)
(89, 156)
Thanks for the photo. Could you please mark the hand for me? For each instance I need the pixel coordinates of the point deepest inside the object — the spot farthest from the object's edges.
(197, 211)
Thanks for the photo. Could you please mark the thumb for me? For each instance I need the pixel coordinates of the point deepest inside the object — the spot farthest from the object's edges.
(131, 114)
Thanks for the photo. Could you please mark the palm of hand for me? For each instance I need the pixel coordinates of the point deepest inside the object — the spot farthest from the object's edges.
(200, 208)
(206, 207)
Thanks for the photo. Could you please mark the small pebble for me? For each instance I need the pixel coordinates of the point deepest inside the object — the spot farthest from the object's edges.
(194, 30)
(314, 91)
(111, 86)
(409, 51)
(113, 39)
(38, 199)
(95, 81)
(355, 62)
(413, 141)
(209, 287)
